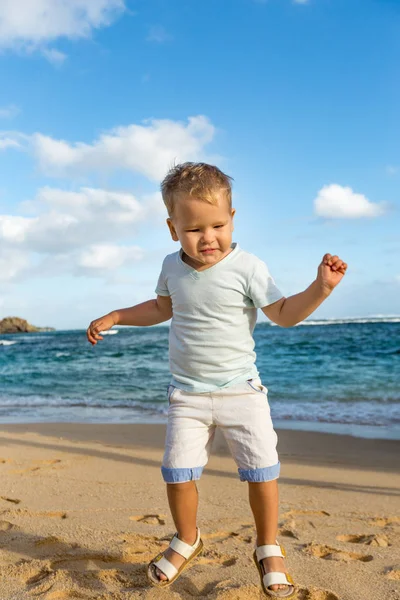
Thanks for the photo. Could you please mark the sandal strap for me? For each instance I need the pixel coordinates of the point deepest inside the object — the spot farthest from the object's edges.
(186, 550)
(268, 550)
(274, 577)
(166, 567)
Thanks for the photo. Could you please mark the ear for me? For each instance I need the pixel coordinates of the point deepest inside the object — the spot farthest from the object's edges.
(172, 230)
(232, 215)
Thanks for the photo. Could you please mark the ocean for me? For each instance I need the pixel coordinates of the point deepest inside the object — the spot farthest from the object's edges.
(340, 376)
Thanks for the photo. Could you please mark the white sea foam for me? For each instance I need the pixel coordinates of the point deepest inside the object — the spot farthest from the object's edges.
(346, 321)
(7, 343)
(109, 332)
(59, 354)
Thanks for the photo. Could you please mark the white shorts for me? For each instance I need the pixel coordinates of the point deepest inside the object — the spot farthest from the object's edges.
(241, 411)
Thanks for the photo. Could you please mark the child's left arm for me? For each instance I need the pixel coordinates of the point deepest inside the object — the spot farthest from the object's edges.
(287, 312)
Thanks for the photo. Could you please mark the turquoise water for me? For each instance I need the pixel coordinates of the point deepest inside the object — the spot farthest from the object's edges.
(342, 377)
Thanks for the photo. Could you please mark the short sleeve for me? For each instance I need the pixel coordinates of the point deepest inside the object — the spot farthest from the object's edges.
(261, 287)
(162, 287)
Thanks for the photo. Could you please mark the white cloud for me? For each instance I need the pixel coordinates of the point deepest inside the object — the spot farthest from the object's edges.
(149, 149)
(108, 257)
(54, 56)
(9, 112)
(158, 34)
(338, 202)
(29, 25)
(70, 220)
(8, 142)
(13, 139)
(12, 263)
(73, 232)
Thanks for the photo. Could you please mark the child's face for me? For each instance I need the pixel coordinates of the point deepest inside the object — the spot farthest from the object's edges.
(204, 230)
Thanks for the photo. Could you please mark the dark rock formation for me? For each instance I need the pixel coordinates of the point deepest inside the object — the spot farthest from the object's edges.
(17, 325)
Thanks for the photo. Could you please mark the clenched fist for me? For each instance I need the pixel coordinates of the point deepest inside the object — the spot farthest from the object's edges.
(331, 271)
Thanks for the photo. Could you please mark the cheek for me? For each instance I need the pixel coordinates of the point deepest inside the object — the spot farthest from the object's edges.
(188, 240)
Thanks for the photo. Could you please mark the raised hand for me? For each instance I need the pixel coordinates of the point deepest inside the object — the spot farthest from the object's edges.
(331, 271)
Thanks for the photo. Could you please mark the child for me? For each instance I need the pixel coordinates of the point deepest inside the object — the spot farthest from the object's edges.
(212, 288)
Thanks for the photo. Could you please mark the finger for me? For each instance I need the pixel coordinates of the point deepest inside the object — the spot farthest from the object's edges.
(96, 334)
(332, 260)
(96, 328)
(326, 258)
(93, 330)
(337, 265)
(90, 337)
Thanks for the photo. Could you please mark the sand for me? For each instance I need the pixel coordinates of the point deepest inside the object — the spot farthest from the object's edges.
(84, 509)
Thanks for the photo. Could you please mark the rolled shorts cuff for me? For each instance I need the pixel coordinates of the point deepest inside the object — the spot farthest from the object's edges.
(181, 475)
(260, 474)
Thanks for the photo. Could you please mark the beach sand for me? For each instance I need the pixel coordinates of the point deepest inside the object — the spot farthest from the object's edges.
(84, 509)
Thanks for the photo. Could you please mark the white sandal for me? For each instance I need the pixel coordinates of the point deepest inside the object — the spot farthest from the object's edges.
(162, 563)
(273, 577)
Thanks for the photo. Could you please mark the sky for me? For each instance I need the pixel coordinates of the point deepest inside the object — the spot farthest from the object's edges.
(298, 101)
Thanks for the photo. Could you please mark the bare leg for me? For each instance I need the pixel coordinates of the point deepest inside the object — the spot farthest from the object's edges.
(264, 502)
(183, 501)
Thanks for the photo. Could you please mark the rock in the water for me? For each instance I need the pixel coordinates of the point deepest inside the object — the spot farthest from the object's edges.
(17, 325)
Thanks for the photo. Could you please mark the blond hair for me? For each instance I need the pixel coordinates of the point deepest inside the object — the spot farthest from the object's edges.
(199, 180)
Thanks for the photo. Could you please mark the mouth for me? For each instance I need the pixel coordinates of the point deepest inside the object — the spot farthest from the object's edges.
(208, 250)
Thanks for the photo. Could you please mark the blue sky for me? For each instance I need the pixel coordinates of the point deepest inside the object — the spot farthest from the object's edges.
(297, 101)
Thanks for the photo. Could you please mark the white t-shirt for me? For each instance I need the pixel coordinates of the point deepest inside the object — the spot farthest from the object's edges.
(211, 341)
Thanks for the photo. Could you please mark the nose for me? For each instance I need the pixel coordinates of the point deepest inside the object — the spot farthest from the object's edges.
(208, 235)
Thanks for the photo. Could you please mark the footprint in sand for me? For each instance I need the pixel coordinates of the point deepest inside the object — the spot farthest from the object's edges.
(329, 553)
(13, 500)
(6, 526)
(39, 465)
(91, 571)
(290, 513)
(69, 595)
(88, 562)
(369, 540)
(212, 557)
(313, 593)
(229, 590)
(242, 534)
(384, 521)
(287, 528)
(51, 514)
(50, 541)
(393, 573)
(150, 519)
(139, 544)
(38, 577)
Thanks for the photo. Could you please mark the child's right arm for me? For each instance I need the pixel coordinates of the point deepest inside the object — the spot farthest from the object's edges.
(147, 313)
